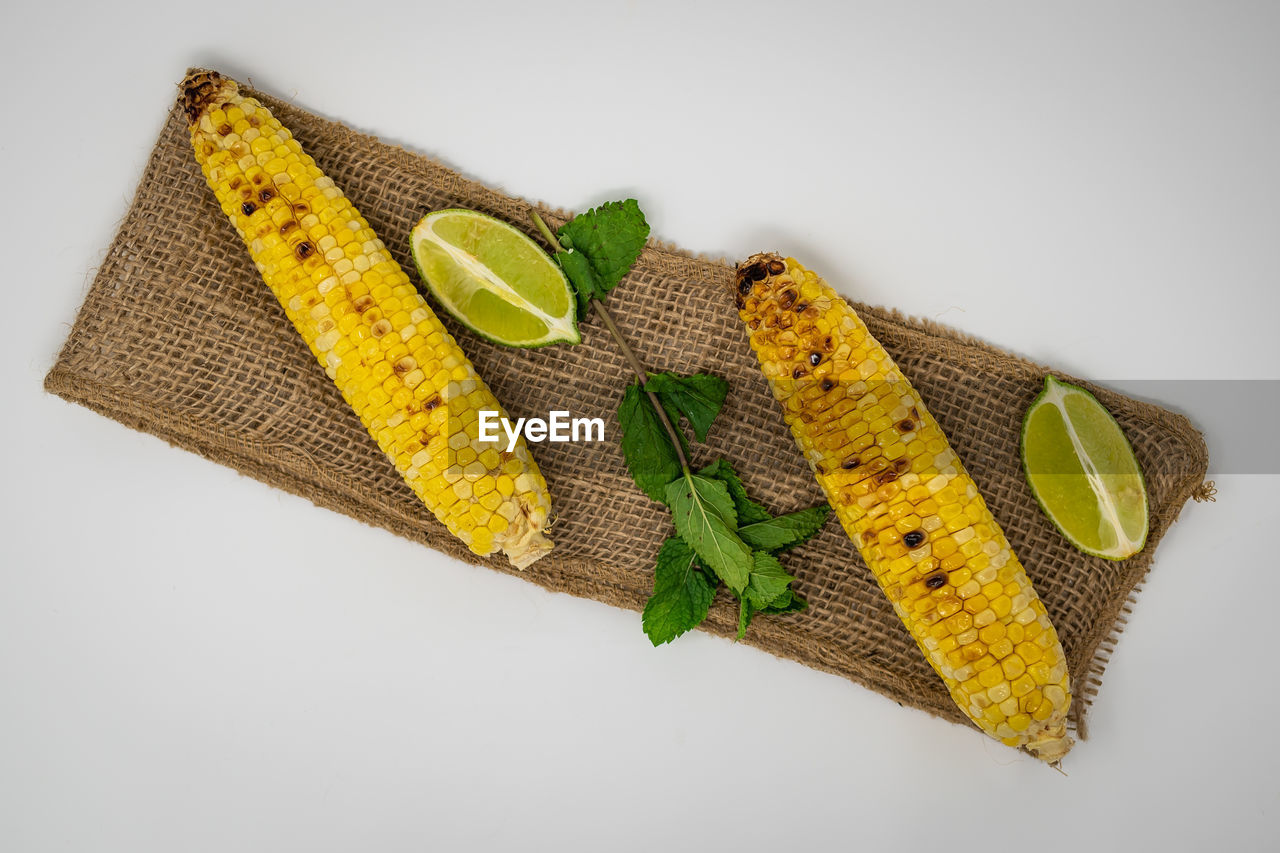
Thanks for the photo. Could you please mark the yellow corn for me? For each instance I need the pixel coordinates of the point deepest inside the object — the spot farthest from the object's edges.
(366, 324)
(904, 498)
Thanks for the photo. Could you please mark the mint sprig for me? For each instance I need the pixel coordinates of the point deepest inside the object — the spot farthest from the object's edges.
(722, 536)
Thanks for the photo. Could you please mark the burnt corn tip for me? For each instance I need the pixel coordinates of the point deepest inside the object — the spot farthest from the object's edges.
(199, 90)
(755, 268)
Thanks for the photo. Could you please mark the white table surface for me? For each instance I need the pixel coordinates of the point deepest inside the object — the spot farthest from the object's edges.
(194, 661)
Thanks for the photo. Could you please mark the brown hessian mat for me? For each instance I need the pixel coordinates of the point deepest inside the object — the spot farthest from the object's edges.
(179, 337)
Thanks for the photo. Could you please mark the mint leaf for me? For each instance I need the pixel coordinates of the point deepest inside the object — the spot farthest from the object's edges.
(749, 512)
(786, 603)
(681, 594)
(698, 397)
(745, 611)
(768, 581)
(611, 237)
(673, 415)
(583, 278)
(760, 586)
(650, 457)
(785, 531)
(705, 518)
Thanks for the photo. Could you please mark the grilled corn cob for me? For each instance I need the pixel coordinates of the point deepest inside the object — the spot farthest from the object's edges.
(904, 498)
(413, 388)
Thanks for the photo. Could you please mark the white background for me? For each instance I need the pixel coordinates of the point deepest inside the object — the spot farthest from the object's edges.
(193, 661)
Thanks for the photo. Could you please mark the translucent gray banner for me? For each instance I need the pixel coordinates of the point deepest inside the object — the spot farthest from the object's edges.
(1238, 418)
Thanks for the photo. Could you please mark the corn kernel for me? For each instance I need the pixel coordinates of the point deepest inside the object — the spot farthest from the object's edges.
(1012, 666)
(1029, 652)
(1001, 649)
(992, 633)
(990, 677)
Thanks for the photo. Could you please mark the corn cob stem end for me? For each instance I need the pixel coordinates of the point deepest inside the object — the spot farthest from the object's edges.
(525, 541)
(1051, 744)
(527, 549)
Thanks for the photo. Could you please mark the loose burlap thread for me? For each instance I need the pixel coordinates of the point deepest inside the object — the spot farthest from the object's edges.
(179, 337)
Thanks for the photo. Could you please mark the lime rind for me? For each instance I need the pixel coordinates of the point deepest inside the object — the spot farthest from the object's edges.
(455, 276)
(1101, 484)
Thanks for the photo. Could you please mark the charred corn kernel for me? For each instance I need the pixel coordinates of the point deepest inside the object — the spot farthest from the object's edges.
(364, 321)
(904, 497)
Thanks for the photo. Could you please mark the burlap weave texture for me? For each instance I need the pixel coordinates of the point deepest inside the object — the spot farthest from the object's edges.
(179, 337)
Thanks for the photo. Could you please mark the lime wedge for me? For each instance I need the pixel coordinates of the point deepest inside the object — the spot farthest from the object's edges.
(1083, 472)
(494, 279)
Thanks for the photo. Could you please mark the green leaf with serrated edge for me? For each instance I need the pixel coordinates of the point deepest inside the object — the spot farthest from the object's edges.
(650, 457)
(681, 594)
(785, 531)
(745, 611)
(611, 236)
(767, 582)
(698, 397)
(704, 517)
(780, 604)
(787, 603)
(583, 278)
(749, 512)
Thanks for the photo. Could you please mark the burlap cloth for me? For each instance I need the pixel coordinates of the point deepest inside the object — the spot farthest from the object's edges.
(179, 337)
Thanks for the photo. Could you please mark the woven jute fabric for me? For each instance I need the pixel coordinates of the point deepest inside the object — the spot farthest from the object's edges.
(179, 337)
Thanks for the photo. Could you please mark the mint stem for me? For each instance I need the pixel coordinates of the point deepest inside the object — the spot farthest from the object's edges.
(546, 232)
(627, 353)
(636, 366)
